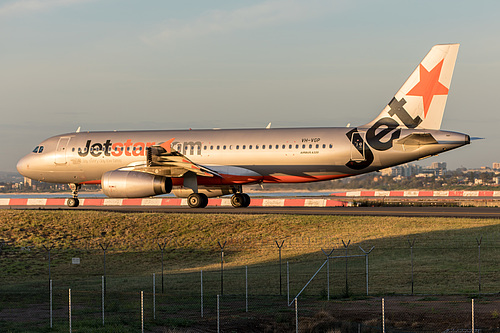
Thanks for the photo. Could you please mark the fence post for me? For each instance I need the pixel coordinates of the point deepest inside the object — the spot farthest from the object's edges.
(50, 287)
(162, 247)
(287, 283)
(346, 280)
(296, 316)
(473, 315)
(47, 248)
(102, 301)
(411, 252)
(154, 296)
(69, 308)
(280, 245)
(246, 288)
(366, 256)
(222, 266)
(383, 316)
(104, 247)
(328, 271)
(479, 260)
(201, 292)
(218, 315)
(142, 311)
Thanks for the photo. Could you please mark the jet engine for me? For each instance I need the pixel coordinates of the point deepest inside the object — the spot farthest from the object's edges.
(133, 184)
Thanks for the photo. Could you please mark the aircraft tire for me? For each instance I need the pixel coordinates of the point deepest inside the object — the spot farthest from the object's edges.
(238, 200)
(73, 202)
(197, 200)
(246, 201)
(205, 200)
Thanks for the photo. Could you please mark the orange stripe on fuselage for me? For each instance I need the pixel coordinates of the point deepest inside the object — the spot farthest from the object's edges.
(239, 180)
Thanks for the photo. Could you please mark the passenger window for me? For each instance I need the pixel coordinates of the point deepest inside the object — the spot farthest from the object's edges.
(250, 147)
(317, 146)
(310, 146)
(289, 146)
(256, 146)
(278, 146)
(204, 147)
(218, 147)
(331, 146)
(324, 146)
(224, 147)
(237, 147)
(211, 147)
(303, 146)
(263, 146)
(296, 146)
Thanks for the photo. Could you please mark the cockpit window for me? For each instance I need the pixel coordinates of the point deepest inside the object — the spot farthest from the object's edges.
(38, 149)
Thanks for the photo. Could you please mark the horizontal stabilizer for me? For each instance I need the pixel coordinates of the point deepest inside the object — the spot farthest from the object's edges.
(417, 139)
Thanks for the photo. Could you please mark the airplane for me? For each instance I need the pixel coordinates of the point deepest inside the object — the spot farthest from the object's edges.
(198, 164)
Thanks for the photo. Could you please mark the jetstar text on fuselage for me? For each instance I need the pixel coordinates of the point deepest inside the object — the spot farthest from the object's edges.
(127, 148)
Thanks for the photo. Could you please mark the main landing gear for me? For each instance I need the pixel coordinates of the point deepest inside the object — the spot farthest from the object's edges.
(74, 202)
(197, 200)
(200, 200)
(240, 200)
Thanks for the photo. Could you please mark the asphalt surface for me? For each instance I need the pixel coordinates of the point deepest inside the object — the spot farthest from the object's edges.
(469, 212)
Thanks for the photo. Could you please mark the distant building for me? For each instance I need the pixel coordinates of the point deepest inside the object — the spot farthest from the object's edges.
(439, 168)
(496, 166)
(386, 172)
(28, 182)
(406, 170)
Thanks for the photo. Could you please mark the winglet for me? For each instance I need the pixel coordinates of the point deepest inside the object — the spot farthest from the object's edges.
(167, 145)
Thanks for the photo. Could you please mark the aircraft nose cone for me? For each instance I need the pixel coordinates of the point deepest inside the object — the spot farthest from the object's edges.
(23, 166)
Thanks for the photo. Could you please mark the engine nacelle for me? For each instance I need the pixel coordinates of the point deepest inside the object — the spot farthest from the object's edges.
(133, 184)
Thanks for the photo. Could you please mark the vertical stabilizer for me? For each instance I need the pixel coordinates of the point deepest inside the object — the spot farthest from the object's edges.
(421, 100)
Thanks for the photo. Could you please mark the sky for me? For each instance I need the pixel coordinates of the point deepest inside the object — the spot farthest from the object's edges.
(160, 64)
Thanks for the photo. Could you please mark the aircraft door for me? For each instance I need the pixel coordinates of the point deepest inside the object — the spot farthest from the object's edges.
(358, 147)
(62, 146)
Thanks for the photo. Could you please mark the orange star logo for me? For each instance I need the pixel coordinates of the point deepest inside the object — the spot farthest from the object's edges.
(429, 85)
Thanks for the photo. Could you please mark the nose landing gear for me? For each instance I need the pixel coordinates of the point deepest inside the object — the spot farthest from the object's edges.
(74, 202)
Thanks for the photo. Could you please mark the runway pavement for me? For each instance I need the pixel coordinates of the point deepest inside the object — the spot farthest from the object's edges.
(469, 212)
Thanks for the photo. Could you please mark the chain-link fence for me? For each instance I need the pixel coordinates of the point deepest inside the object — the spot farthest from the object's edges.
(406, 287)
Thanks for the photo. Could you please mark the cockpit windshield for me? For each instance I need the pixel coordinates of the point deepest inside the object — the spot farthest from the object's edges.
(38, 149)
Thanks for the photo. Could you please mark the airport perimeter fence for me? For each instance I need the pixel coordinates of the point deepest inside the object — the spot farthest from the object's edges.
(405, 288)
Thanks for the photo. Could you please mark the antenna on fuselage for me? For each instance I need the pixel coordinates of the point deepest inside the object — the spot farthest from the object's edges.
(78, 129)
(268, 126)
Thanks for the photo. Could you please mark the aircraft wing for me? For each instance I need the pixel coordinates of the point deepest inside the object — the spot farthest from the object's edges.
(166, 161)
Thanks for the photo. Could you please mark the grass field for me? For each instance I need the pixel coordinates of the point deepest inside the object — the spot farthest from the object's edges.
(445, 254)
